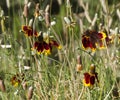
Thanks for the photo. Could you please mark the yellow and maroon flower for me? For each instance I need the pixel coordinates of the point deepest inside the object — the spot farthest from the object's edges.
(44, 47)
(28, 30)
(17, 79)
(93, 39)
(90, 77)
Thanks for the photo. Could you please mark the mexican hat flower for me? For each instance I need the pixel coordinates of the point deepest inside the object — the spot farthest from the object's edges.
(43, 47)
(90, 77)
(17, 79)
(93, 39)
(29, 31)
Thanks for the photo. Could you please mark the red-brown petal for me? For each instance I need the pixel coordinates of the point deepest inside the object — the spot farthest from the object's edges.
(87, 78)
(24, 28)
(40, 47)
(92, 80)
(36, 45)
(86, 42)
(46, 46)
(29, 32)
(54, 43)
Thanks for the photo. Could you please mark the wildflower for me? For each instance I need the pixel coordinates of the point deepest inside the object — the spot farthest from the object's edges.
(16, 79)
(89, 77)
(28, 30)
(44, 47)
(93, 39)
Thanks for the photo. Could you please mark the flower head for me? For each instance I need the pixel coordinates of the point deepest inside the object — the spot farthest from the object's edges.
(44, 47)
(17, 79)
(28, 30)
(90, 77)
(93, 39)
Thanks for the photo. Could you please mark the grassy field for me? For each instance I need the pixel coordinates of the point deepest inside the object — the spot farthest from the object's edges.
(60, 50)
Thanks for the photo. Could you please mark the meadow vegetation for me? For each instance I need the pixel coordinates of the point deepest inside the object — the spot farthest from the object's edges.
(60, 50)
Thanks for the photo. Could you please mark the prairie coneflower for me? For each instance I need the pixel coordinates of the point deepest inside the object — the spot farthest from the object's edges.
(17, 79)
(90, 77)
(43, 47)
(93, 39)
(28, 30)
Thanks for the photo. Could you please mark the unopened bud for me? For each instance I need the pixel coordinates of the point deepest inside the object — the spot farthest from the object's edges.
(47, 19)
(47, 16)
(25, 12)
(24, 85)
(92, 69)
(79, 59)
(47, 8)
(78, 67)
(29, 4)
(2, 85)
(31, 22)
(30, 93)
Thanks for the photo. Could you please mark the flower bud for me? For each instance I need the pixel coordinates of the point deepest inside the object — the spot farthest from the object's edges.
(24, 85)
(2, 85)
(78, 67)
(79, 64)
(30, 93)
(31, 22)
(25, 11)
(47, 16)
(92, 69)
